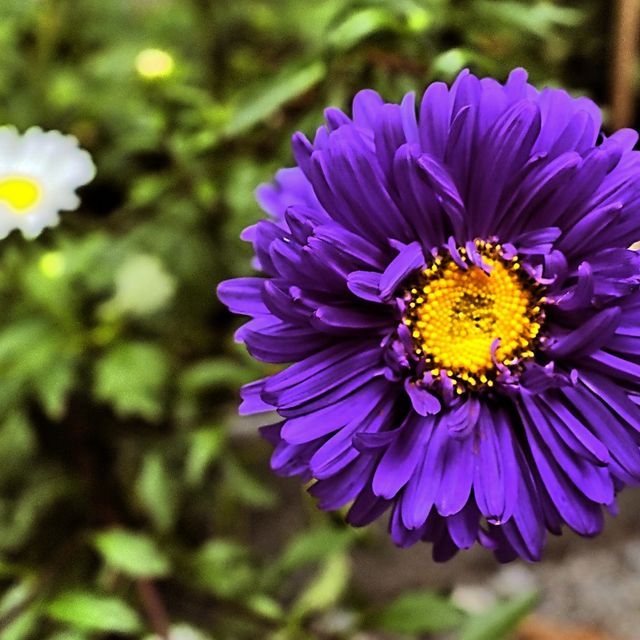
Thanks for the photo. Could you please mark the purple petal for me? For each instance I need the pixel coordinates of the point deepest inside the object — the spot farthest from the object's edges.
(579, 512)
(366, 508)
(441, 182)
(464, 525)
(341, 488)
(588, 337)
(423, 402)
(496, 469)
(331, 418)
(243, 295)
(400, 459)
(366, 105)
(251, 399)
(457, 476)
(410, 259)
(594, 481)
(365, 285)
(345, 321)
(435, 111)
(422, 489)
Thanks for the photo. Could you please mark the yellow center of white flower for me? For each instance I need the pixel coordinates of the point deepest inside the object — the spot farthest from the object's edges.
(467, 322)
(20, 193)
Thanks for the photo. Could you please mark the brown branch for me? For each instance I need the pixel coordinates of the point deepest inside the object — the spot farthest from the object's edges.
(625, 40)
(154, 607)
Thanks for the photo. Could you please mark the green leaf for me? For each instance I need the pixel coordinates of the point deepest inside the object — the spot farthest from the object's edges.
(17, 595)
(326, 588)
(216, 372)
(500, 620)
(540, 19)
(417, 612)
(17, 443)
(132, 553)
(23, 627)
(264, 606)
(15, 598)
(205, 447)
(419, 19)
(39, 493)
(148, 189)
(449, 63)
(68, 635)
(94, 612)
(246, 487)
(27, 349)
(54, 385)
(359, 25)
(157, 491)
(131, 377)
(265, 100)
(314, 545)
(222, 568)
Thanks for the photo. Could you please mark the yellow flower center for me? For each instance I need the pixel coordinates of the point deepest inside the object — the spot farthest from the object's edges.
(19, 193)
(467, 322)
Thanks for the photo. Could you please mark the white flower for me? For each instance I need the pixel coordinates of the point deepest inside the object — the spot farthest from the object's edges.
(39, 174)
(182, 632)
(143, 286)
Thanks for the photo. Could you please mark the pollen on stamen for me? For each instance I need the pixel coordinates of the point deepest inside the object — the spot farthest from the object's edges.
(457, 315)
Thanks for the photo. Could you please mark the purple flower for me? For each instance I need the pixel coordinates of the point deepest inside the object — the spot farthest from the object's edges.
(454, 288)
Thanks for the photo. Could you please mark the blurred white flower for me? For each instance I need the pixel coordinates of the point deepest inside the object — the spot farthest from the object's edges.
(181, 632)
(143, 286)
(39, 174)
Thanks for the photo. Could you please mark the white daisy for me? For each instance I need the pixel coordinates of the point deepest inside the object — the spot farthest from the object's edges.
(39, 174)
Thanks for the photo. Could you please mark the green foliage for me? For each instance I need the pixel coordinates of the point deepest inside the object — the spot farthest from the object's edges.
(122, 462)
(131, 377)
(94, 612)
(501, 620)
(223, 568)
(267, 99)
(314, 545)
(325, 589)
(133, 554)
(418, 612)
(157, 492)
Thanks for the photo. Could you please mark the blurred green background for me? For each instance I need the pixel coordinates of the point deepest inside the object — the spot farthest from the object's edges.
(132, 499)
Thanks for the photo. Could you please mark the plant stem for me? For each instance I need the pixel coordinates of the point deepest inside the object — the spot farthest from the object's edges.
(154, 607)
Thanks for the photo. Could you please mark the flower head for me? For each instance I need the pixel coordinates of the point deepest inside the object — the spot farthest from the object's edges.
(454, 291)
(39, 173)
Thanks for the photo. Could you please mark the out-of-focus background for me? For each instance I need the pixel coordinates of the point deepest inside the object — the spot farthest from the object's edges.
(133, 502)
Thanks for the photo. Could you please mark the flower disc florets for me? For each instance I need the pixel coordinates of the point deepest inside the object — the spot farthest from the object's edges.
(452, 289)
(473, 314)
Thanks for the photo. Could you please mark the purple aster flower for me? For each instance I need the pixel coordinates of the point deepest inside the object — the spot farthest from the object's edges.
(454, 290)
